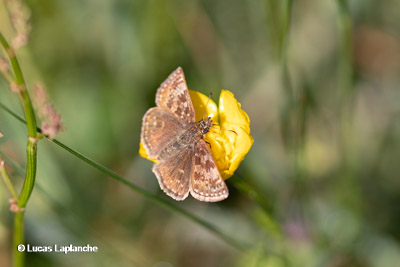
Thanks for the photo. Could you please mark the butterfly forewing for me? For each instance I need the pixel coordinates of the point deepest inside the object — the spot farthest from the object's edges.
(173, 96)
(206, 183)
(158, 128)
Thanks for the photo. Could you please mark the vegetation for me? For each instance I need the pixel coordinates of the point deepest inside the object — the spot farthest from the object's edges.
(319, 81)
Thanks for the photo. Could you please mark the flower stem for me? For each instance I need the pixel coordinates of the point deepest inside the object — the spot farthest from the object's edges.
(346, 91)
(284, 38)
(20, 81)
(7, 181)
(345, 73)
(287, 107)
(31, 151)
(345, 68)
(18, 238)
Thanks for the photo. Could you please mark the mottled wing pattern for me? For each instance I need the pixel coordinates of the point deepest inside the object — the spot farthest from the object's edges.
(173, 95)
(170, 136)
(173, 174)
(206, 183)
(158, 128)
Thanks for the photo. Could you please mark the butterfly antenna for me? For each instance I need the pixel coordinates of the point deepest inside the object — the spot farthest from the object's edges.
(223, 129)
(205, 108)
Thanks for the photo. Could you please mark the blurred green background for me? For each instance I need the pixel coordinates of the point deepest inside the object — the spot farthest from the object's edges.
(320, 186)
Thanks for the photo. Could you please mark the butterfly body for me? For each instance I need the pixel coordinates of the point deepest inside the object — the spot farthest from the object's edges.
(171, 135)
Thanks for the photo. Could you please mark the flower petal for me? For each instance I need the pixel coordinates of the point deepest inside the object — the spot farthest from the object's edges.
(230, 111)
(233, 118)
(143, 153)
(218, 144)
(200, 105)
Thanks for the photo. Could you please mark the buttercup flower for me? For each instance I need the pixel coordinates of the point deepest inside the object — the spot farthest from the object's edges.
(229, 138)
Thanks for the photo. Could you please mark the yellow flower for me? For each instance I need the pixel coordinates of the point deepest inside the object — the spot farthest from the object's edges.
(229, 138)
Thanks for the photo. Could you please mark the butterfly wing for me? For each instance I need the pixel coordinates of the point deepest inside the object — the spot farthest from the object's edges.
(173, 174)
(206, 183)
(159, 127)
(173, 96)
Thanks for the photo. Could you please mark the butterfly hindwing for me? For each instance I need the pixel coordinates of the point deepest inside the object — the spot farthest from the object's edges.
(206, 183)
(173, 174)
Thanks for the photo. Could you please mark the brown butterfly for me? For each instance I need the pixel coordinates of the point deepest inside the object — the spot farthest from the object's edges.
(171, 135)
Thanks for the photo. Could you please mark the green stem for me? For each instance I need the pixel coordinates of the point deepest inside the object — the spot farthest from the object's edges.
(345, 68)
(18, 257)
(345, 80)
(287, 106)
(7, 181)
(31, 150)
(350, 187)
(284, 45)
(252, 192)
(20, 81)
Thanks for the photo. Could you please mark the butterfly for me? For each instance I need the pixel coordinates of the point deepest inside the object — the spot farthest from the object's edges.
(171, 135)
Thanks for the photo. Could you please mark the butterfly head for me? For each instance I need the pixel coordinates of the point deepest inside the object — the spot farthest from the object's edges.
(205, 125)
